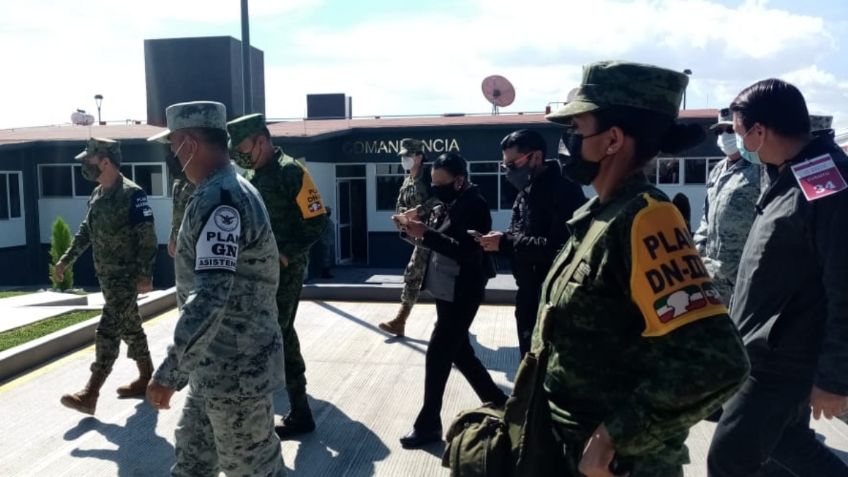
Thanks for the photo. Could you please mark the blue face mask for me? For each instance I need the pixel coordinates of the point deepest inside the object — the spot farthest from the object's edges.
(751, 156)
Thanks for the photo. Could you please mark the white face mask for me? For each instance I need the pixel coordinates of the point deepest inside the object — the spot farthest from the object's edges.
(407, 162)
(727, 143)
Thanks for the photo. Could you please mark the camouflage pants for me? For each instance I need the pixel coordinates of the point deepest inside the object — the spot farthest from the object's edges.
(413, 276)
(120, 321)
(231, 435)
(288, 296)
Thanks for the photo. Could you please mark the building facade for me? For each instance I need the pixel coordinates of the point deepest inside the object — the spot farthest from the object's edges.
(354, 163)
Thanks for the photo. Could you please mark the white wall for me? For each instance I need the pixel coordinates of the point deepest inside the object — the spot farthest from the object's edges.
(13, 232)
(72, 211)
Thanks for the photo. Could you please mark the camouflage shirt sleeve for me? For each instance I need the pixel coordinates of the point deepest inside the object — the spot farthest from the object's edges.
(181, 192)
(81, 241)
(415, 192)
(141, 220)
(203, 310)
(694, 366)
(295, 234)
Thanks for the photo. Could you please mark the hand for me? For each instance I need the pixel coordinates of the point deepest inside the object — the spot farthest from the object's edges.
(172, 248)
(284, 261)
(415, 229)
(828, 404)
(412, 213)
(598, 454)
(59, 271)
(491, 242)
(400, 221)
(144, 285)
(158, 395)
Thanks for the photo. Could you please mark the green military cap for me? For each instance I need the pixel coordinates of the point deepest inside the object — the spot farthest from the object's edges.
(244, 127)
(725, 118)
(195, 114)
(103, 146)
(620, 83)
(819, 122)
(410, 146)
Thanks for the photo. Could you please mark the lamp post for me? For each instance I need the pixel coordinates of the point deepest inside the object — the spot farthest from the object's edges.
(687, 72)
(247, 74)
(98, 99)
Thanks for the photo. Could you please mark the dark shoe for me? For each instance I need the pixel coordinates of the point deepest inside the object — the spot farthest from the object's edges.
(85, 401)
(416, 439)
(295, 423)
(138, 388)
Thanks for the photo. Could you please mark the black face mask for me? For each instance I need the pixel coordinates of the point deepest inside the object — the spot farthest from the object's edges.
(445, 193)
(174, 166)
(574, 166)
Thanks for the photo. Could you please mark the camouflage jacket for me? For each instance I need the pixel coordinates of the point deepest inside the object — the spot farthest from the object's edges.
(227, 341)
(641, 341)
(415, 191)
(119, 228)
(732, 191)
(294, 204)
(181, 193)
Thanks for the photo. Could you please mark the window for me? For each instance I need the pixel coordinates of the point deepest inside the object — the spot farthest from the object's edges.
(56, 181)
(696, 170)
(389, 179)
(10, 195)
(350, 170)
(669, 170)
(486, 175)
(65, 180)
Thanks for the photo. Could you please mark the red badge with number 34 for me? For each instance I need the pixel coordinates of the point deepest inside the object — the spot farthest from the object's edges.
(819, 177)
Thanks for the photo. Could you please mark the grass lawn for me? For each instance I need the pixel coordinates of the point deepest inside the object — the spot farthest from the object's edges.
(9, 294)
(11, 338)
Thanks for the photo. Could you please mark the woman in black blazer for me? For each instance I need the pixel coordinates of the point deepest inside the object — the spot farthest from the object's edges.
(456, 276)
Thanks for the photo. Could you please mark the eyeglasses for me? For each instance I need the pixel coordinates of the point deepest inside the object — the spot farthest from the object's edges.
(511, 165)
(723, 130)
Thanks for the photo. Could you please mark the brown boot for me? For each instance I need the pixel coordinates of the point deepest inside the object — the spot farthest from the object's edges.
(139, 386)
(86, 400)
(398, 325)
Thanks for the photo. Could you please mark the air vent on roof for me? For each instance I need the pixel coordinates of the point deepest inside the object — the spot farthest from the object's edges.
(80, 118)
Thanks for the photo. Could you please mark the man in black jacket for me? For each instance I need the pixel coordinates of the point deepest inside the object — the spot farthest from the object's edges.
(545, 201)
(456, 276)
(791, 296)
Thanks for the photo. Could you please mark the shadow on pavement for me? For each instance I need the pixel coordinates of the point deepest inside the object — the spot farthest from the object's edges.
(140, 450)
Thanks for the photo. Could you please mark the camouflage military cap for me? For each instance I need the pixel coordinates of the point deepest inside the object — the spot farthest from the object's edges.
(244, 127)
(620, 83)
(410, 146)
(818, 122)
(103, 146)
(725, 118)
(195, 114)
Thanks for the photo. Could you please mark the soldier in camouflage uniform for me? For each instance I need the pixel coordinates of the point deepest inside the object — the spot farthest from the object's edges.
(732, 191)
(181, 192)
(642, 346)
(298, 218)
(414, 194)
(119, 228)
(227, 346)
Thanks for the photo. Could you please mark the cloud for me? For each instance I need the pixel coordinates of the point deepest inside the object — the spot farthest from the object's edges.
(414, 62)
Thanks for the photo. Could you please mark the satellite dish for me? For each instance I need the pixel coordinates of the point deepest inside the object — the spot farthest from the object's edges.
(571, 95)
(80, 118)
(498, 91)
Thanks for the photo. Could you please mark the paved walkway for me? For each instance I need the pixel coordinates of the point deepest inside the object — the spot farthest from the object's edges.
(365, 389)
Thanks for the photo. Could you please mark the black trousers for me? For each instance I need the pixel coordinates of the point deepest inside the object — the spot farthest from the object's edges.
(765, 431)
(526, 308)
(450, 344)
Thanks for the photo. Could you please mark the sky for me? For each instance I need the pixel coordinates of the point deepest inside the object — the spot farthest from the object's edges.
(404, 57)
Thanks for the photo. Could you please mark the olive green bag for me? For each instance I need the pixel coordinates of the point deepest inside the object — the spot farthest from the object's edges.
(518, 441)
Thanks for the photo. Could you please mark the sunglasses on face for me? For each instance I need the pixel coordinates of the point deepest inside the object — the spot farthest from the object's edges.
(723, 130)
(511, 165)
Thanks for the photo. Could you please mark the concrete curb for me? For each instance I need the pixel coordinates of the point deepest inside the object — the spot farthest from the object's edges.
(383, 293)
(21, 358)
